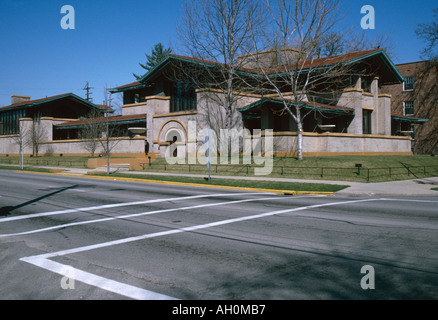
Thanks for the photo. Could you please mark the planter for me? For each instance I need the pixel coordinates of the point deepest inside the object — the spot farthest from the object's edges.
(137, 131)
(326, 127)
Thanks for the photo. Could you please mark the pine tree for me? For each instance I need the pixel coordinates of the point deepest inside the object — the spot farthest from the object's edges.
(158, 54)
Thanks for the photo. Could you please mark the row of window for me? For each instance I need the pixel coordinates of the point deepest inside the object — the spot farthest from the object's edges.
(408, 106)
(9, 120)
(183, 97)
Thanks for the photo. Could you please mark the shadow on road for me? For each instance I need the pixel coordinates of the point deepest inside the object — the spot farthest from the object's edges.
(5, 211)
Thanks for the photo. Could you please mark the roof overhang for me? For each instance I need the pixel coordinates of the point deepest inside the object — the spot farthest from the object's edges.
(413, 120)
(303, 104)
(129, 87)
(39, 102)
(392, 74)
(386, 60)
(119, 120)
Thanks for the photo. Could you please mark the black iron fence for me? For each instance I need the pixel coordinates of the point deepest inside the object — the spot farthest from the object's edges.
(46, 162)
(333, 173)
(359, 173)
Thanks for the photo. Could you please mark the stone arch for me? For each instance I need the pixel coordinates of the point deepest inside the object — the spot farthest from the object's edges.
(173, 135)
(175, 124)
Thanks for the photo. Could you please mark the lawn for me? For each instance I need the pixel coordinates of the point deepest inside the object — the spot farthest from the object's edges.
(343, 168)
(28, 169)
(339, 168)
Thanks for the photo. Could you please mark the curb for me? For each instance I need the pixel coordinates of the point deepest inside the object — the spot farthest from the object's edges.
(283, 192)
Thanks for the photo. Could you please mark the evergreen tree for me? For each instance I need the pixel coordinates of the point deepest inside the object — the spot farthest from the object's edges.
(158, 54)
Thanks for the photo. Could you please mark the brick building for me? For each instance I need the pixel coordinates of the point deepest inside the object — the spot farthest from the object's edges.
(417, 96)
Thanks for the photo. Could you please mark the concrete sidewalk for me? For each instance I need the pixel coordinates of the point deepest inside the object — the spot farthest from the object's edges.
(414, 187)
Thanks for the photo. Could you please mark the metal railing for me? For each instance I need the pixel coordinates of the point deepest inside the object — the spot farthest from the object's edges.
(367, 174)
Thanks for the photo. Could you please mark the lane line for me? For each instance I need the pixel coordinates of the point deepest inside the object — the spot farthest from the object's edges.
(135, 292)
(197, 227)
(118, 205)
(132, 215)
(93, 279)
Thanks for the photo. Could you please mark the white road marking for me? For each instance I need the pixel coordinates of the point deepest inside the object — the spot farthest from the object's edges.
(135, 292)
(92, 279)
(408, 200)
(117, 205)
(135, 215)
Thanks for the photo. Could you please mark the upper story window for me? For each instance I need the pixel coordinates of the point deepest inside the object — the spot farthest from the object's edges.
(408, 85)
(183, 96)
(408, 108)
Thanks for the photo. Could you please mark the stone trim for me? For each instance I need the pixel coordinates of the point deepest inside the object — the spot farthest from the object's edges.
(134, 104)
(175, 114)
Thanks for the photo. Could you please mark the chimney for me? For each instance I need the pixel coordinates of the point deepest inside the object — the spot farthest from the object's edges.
(269, 58)
(18, 99)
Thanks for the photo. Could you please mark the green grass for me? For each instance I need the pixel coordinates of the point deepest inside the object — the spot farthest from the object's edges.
(272, 185)
(26, 169)
(343, 168)
(339, 168)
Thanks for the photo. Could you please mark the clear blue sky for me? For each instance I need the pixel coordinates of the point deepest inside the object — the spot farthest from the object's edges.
(38, 58)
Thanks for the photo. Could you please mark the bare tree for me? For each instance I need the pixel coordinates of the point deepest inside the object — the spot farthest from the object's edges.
(108, 138)
(429, 33)
(22, 141)
(297, 33)
(218, 31)
(90, 132)
(98, 131)
(36, 135)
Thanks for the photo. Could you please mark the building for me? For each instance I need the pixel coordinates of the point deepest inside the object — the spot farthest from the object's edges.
(417, 97)
(51, 126)
(169, 111)
(357, 120)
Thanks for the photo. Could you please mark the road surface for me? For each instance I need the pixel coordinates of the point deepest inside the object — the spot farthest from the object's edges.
(82, 238)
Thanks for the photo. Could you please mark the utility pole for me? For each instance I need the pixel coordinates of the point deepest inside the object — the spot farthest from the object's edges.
(87, 88)
(109, 97)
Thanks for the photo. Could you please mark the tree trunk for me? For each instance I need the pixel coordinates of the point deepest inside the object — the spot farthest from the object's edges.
(300, 142)
(300, 135)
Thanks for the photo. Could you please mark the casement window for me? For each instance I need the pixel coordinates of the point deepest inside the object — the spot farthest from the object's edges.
(366, 121)
(408, 108)
(183, 97)
(408, 85)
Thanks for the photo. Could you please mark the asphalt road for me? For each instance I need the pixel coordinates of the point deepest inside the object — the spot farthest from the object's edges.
(82, 238)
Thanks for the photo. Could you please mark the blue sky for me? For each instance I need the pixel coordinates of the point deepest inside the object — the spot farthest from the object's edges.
(38, 58)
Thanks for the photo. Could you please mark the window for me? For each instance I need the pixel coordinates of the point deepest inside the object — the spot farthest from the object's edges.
(408, 85)
(366, 121)
(408, 108)
(365, 84)
(183, 97)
